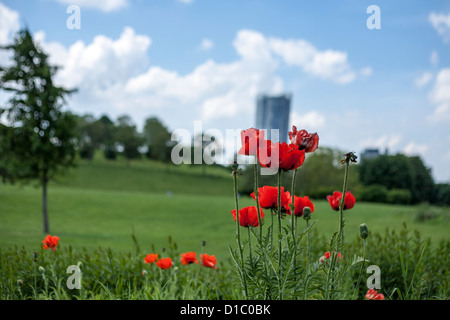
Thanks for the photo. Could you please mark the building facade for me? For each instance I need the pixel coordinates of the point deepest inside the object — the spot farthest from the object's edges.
(272, 112)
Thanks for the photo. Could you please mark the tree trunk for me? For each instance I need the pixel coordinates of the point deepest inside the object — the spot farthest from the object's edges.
(44, 204)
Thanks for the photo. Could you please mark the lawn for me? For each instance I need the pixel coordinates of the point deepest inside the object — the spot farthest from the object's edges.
(102, 203)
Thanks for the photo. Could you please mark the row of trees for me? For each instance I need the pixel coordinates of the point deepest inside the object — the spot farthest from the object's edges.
(122, 137)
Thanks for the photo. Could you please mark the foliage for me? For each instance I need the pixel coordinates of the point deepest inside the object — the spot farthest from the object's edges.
(441, 194)
(399, 172)
(158, 139)
(398, 196)
(373, 193)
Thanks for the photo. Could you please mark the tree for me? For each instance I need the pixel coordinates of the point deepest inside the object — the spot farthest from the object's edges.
(399, 172)
(41, 135)
(158, 139)
(128, 138)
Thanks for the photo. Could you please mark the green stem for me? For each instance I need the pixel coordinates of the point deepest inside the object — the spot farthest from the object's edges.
(293, 221)
(238, 234)
(257, 200)
(308, 244)
(341, 214)
(250, 245)
(362, 266)
(279, 233)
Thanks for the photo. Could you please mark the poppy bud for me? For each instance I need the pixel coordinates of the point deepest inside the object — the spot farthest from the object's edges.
(363, 231)
(306, 213)
(19, 282)
(203, 243)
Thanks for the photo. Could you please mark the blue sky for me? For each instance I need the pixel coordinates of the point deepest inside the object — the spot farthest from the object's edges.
(208, 59)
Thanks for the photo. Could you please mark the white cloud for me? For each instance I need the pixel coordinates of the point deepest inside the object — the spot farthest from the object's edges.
(102, 5)
(100, 64)
(441, 23)
(440, 97)
(113, 76)
(389, 141)
(328, 64)
(206, 44)
(434, 58)
(9, 24)
(414, 149)
(424, 79)
(366, 72)
(310, 121)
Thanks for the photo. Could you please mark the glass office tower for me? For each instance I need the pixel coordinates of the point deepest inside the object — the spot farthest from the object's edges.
(272, 112)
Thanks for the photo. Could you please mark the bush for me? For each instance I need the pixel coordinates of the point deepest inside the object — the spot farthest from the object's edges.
(442, 194)
(110, 153)
(373, 193)
(399, 196)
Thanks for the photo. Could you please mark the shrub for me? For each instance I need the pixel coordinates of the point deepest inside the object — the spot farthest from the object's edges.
(373, 193)
(399, 196)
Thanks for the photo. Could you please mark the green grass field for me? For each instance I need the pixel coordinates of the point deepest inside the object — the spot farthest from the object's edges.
(102, 203)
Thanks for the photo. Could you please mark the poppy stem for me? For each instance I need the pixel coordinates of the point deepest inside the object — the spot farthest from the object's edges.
(293, 224)
(238, 234)
(308, 242)
(341, 215)
(250, 245)
(279, 233)
(257, 200)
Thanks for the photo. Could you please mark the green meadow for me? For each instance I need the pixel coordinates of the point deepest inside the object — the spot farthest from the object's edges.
(104, 203)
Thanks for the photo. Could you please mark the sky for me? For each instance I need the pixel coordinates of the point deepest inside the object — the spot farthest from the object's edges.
(186, 61)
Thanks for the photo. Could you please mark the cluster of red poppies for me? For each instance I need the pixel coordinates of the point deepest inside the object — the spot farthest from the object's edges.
(287, 156)
(186, 258)
(290, 157)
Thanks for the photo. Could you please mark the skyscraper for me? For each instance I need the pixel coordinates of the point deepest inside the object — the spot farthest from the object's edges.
(272, 112)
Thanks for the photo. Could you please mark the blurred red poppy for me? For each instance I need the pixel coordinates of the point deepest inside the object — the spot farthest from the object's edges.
(164, 263)
(208, 261)
(335, 199)
(300, 204)
(374, 295)
(150, 258)
(304, 140)
(50, 242)
(188, 258)
(286, 156)
(268, 197)
(327, 255)
(248, 216)
(250, 140)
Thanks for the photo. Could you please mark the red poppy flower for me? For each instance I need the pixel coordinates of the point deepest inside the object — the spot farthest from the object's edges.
(248, 216)
(164, 263)
(374, 295)
(304, 140)
(250, 140)
(50, 242)
(327, 255)
(150, 258)
(208, 261)
(335, 200)
(300, 204)
(288, 156)
(188, 258)
(268, 197)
